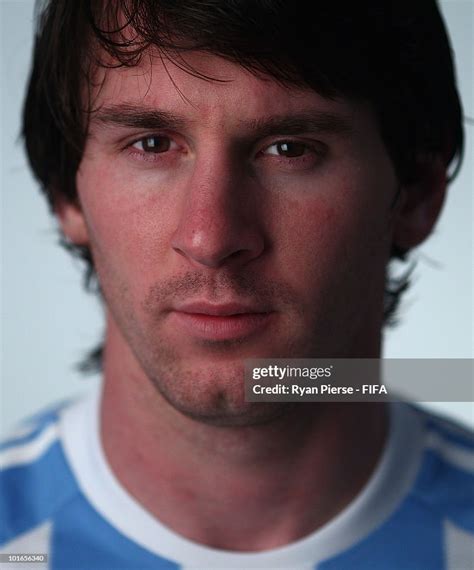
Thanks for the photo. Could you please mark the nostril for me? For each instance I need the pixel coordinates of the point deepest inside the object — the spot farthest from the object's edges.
(217, 224)
(216, 247)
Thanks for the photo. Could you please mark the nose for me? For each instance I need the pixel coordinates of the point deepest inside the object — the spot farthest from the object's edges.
(219, 223)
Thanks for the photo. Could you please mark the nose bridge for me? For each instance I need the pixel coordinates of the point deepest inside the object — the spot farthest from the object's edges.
(212, 185)
(216, 223)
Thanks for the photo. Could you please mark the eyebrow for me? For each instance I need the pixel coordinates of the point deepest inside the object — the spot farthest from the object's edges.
(132, 116)
(313, 121)
(137, 117)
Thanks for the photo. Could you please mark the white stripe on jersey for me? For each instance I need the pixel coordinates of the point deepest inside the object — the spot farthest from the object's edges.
(21, 431)
(36, 541)
(30, 451)
(455, 454)
(459, 547)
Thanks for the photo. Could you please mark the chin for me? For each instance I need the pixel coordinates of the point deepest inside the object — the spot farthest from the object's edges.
(213, 395)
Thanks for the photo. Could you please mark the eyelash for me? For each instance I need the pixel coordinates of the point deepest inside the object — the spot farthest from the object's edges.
(312, 150)
(149, 155)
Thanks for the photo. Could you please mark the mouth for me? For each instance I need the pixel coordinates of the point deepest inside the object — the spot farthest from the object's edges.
(229, 321)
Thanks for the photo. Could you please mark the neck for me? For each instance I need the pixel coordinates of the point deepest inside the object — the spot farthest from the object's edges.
(239, 488)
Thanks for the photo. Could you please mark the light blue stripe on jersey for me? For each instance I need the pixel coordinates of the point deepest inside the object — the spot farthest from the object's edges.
(413, 538)
(45, 490)
(447, 489)
(31, 493)
(38, 486)
(31, 427)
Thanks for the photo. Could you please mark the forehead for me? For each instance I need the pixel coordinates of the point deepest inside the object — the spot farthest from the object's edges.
(215, 91)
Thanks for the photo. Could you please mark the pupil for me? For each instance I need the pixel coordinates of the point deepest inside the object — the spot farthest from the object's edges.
(156, 144)
(291, 149)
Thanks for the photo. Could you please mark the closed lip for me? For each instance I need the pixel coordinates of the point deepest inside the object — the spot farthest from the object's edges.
(219, 310)
(220, 322)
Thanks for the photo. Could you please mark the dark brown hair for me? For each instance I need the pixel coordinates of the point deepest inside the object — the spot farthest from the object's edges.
(394, 54)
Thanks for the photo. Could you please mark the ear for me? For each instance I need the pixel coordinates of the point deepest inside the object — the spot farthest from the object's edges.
(420, 204)
(71, 220)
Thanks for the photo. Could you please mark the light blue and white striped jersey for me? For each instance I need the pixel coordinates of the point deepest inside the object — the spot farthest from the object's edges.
(59, 497)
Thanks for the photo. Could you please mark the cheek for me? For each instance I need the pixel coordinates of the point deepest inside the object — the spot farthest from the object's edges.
(338, 243)
(127, 226)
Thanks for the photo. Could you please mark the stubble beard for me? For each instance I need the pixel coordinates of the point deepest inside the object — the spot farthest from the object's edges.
(212, 391)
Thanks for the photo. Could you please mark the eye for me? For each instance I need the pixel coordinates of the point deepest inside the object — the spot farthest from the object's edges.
(155, 144)
(288, 149)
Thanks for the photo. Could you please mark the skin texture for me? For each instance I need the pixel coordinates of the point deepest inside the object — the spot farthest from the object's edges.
(222, 215)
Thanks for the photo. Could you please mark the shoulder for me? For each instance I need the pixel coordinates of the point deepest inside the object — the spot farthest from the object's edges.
(450, 444)
(35, 480)
(445, 482)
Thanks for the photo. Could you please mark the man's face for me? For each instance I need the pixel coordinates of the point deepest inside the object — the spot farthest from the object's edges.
(230, 220)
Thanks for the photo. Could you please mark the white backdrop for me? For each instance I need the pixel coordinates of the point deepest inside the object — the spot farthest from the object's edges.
(48, 322)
